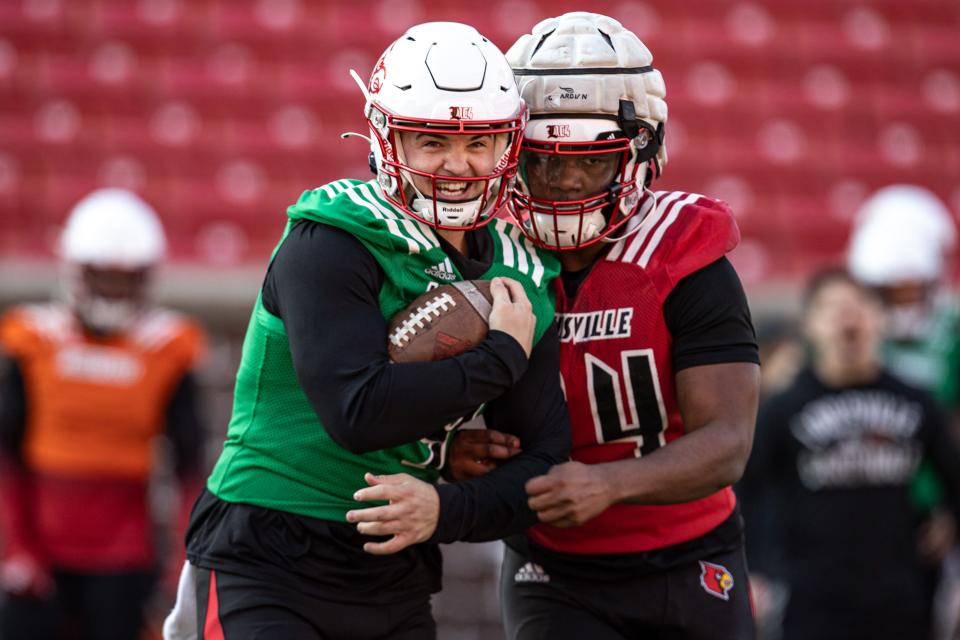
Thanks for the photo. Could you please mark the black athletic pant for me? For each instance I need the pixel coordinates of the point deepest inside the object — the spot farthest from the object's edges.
(232, 607)
(707, 599)
(83, 607)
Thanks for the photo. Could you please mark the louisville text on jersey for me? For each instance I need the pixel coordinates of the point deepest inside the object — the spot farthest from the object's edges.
(605, 324)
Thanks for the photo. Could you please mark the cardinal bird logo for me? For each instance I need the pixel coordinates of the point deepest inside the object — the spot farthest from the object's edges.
(716, 580)
(378, 77)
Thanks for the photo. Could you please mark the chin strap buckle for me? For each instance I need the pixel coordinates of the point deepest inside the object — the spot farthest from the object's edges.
(627, 119)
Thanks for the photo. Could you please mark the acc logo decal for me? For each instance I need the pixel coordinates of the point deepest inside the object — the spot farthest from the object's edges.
(461, 113)
(716, 580)
(558, 131)
(378, 77)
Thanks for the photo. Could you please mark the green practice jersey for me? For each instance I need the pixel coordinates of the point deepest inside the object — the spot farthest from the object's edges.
(932, 364)
(277, 453)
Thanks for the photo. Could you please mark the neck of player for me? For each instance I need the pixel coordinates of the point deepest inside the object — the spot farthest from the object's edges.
(457, 238)
(579, 259)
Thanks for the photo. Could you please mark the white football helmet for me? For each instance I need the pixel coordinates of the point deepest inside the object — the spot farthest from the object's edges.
(591, 90)
(443, 78)
(109, 246)
(901, 242)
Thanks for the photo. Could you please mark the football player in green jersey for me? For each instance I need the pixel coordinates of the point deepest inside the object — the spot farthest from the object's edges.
(279, 544)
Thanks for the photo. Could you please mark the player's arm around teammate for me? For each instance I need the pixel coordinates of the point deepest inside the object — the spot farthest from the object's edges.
(718, 404)
(413, 508)
(319, 406)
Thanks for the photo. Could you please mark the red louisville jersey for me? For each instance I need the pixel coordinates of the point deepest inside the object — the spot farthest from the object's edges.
(618, 373)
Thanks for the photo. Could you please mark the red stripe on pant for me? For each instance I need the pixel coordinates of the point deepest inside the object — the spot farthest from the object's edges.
(211, 626)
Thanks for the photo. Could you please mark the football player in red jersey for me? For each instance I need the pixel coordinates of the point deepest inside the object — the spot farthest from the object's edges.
(87, 385)
(640, 535)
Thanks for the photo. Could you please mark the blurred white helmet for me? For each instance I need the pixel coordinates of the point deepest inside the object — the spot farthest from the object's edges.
(591, 89)
(901, 233)
(902, 239)
(111, 242)
(443, 78)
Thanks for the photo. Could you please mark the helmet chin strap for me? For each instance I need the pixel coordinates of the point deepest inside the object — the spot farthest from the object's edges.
(636, 227)
(467, 211)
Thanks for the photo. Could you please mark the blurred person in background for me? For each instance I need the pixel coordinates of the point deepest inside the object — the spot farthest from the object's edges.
(902, 246)
(834, 456)
(87, 385)
(279, 542)
(639, 535)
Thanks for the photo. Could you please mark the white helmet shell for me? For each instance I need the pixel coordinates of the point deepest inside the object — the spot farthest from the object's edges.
(110, 229)
(438, 66)
(613, 65)
(574, 71)
(902, 233)
(446, 78)
(113, 228)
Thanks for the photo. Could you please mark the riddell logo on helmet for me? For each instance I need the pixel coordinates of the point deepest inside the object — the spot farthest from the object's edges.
(461, 113)
(378, 76)
(569, 93)
(558, 131)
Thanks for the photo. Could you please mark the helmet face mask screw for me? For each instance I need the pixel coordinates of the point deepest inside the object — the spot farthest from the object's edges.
(642, 140)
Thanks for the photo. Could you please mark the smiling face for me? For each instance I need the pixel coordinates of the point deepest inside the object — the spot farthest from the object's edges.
(453, 156)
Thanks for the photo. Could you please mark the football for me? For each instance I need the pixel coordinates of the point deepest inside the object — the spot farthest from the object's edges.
(441, 323)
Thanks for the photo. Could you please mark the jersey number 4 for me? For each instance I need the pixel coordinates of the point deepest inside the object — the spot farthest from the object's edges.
(648, 416)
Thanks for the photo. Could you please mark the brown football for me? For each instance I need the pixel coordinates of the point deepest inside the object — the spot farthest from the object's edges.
(441, 323)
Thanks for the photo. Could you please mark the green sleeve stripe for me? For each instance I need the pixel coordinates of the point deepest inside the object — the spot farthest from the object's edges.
(522, 263)
(538, 269)
(518, 253)
(413, 228)
(412, 247)
(505, 244)
(376, 196)
(333, 188)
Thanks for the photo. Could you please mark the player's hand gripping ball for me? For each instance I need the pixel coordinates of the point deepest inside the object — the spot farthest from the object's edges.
(441, 323)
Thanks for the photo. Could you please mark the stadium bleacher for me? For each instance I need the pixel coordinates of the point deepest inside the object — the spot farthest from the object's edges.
(221, 112)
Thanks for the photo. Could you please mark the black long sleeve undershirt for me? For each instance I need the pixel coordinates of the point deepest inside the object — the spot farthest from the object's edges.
(13, 408)
(337, 337)
(534, 410)
(325, 287)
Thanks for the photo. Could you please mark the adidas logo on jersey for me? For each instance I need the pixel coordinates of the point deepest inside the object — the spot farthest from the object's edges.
(442, 271)
(531, 572)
